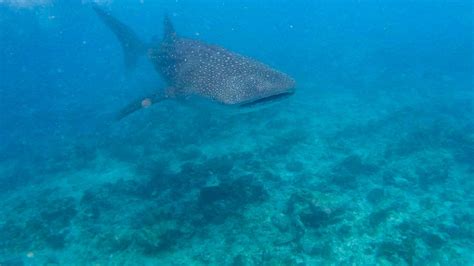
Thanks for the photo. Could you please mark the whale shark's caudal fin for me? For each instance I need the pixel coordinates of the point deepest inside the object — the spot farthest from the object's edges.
(133, 48)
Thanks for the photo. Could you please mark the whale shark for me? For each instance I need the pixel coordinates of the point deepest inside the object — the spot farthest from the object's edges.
(194, 68)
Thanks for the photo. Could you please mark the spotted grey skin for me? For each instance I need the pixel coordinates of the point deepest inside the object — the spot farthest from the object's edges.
(194, 68)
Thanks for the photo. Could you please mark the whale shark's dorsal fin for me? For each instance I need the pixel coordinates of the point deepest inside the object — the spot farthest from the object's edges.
(169, 32)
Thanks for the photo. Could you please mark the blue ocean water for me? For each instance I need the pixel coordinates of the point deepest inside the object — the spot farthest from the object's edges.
(370, 162)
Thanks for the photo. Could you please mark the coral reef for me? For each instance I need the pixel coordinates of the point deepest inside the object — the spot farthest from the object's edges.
(246, 190)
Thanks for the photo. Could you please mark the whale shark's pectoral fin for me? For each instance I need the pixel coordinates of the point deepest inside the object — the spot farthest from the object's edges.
(133, 48)
(141, 103)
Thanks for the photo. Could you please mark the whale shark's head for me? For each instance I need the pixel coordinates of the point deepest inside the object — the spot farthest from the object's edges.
(256, 85)
(269, 86)
(273, 82)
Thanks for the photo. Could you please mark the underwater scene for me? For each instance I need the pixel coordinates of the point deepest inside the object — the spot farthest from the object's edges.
(236, 132)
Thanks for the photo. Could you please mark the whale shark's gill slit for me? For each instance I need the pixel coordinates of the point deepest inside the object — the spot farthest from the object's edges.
(267, 100)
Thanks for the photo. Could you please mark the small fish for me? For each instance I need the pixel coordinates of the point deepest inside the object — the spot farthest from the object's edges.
(194, 68)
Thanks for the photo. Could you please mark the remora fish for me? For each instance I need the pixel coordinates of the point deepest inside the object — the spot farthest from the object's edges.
(194, 68)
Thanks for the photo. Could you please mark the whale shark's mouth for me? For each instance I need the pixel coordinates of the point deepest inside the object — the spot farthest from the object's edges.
(268, 100)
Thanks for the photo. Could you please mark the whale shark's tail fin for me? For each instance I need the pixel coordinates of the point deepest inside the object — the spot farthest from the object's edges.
(133, 48)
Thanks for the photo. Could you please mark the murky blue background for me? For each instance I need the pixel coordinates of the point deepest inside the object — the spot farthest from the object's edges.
(384, 93)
